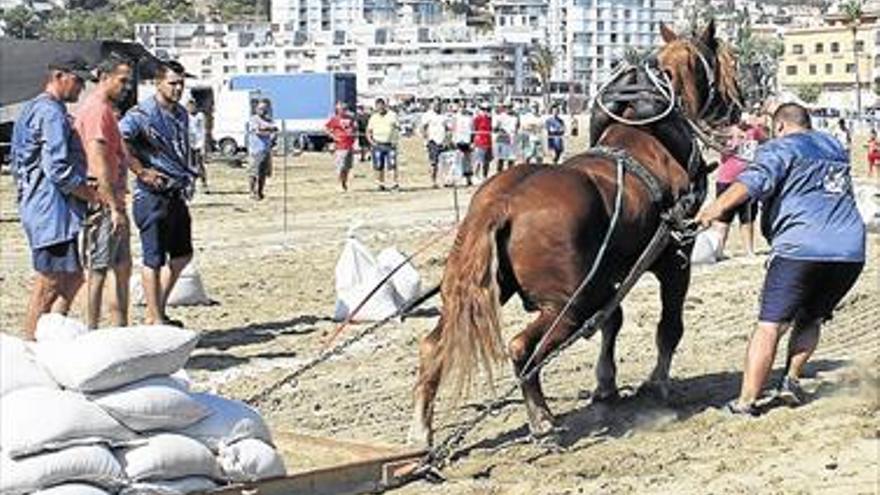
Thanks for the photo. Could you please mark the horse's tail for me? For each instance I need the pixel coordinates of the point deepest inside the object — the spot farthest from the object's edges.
(471, 333)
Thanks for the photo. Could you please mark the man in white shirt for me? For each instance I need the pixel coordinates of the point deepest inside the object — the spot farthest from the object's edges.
(506, 125)
(462, 134)
(531, 127)
(197, 139)
(435, 129)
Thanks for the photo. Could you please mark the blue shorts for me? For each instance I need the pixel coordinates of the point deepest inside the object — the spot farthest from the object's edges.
(165, 226)
(383, 157)
(57, 258)
(805, 290)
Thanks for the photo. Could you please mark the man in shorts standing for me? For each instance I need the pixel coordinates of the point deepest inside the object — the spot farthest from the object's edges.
(482, 142)
(49, 167)
(462, 136)
(381, 132)
(506, 129)
(156, 132)
(818, 245)
(198, 136)
(343, 129)
(107, 233)
(261, 137)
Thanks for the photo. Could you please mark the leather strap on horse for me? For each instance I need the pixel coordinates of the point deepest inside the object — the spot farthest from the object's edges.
(659, 195)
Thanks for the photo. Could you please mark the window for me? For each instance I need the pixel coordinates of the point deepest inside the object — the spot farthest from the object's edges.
(812, 69)
(820, 47)
(797, 49)
(614, 37)
(835, 47)
(860, 46)
(791, 70)
(829, 69)
(850, 68)
(600, 26)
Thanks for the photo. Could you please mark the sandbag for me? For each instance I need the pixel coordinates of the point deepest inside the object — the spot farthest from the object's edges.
(250, 460)
(34, 419)
(406, 281)
(157, 403)
(92, 464)
(73, 489)
(112, 357)
(868, 203)
(188, 290)
(18, 368)
(168, 456)
(170, 487)
(706, 248)
(357, 274)
(54, 326)
(229, 421)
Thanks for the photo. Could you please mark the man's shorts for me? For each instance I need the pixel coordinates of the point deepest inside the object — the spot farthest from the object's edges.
(165, 227)
(434, 151)
(505, 151)
(383, 158)
(556, 144)
(343, 160)
(102, 248)
(805, 290)
(57, 258)
(260, 165)
(746, 212)
(482, 155)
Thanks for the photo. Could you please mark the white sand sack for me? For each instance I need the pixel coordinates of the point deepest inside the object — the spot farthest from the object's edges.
(229, 422)
(54, 326)
(188, 290)
(112, 357)
(18, 367)
(90, 464)
(168, 456)
(73, 489)
(157, 403)
(357, 274)
(706, 248)
(33, 420)
(407, 281)
(250, 460)
(179, 486)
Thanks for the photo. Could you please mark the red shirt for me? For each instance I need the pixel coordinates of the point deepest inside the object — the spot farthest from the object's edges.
(483, 131)
(95, 121)
(343, 130)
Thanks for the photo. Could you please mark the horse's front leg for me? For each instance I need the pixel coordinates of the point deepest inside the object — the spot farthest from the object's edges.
(674, 281)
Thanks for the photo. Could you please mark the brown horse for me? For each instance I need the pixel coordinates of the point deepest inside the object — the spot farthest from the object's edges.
(535, 231)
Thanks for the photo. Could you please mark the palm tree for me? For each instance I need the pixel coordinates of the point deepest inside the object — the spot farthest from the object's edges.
(542, 61)
(852, 11)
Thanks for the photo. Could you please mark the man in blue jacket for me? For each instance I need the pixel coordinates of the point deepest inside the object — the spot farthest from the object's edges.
(817, 236)
(49, 166)
(156, 133)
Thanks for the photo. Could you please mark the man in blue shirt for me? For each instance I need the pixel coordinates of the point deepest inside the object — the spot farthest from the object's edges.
(261, 136)
(817, 236)
(555, 135)
(49, 166)
(156, 133)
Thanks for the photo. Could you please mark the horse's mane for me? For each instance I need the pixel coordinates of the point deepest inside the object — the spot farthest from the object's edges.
(727, 73)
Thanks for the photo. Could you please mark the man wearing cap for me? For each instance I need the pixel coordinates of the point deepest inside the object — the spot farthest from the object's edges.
(49, 167)
(106, 238)
(156, 134)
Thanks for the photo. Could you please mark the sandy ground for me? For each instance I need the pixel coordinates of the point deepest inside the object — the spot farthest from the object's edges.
(274, 289)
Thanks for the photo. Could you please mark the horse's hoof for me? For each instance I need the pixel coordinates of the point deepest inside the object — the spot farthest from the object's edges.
(606, 396)
(551, 437)
(655, 390)
(418, 437)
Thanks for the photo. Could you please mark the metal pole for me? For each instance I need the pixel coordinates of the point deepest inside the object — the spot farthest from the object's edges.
(284, 174)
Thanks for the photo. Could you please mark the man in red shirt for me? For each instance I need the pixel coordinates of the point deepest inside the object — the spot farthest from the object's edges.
(106, 237)
(343, 129)
(483, 141)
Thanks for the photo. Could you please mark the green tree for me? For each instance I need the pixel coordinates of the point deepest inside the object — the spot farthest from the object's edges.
(853, 11)
(542, 61)
(809, 93)
(758, 61)
(21, 22)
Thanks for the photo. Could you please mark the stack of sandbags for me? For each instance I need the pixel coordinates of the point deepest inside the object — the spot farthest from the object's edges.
(108, 409)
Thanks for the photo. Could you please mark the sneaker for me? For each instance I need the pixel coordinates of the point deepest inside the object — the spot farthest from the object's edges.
(734, 408)
(395, 187)
(791, 393)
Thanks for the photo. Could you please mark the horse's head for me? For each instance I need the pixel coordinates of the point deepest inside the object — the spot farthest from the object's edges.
(703, 72)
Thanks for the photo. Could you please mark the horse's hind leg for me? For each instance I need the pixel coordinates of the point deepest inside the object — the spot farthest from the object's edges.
(674, 281)
(606, 369)
(521, 348)
(428, 380)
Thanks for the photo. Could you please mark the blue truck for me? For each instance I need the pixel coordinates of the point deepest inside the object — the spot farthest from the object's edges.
(303, 102)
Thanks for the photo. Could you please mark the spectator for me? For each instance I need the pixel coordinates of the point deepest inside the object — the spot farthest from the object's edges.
(555, 134)
(842, 133)
(506, 128)
(197, 141)
(483, 142)
(49, 167)
(261, 138)
(818, 246)
(531, 127)
(107, 234)
(381, 131)
(156, 132)
(343, 129)
(435, 130)
(462, 136)
(363, 118)
(873, 154)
